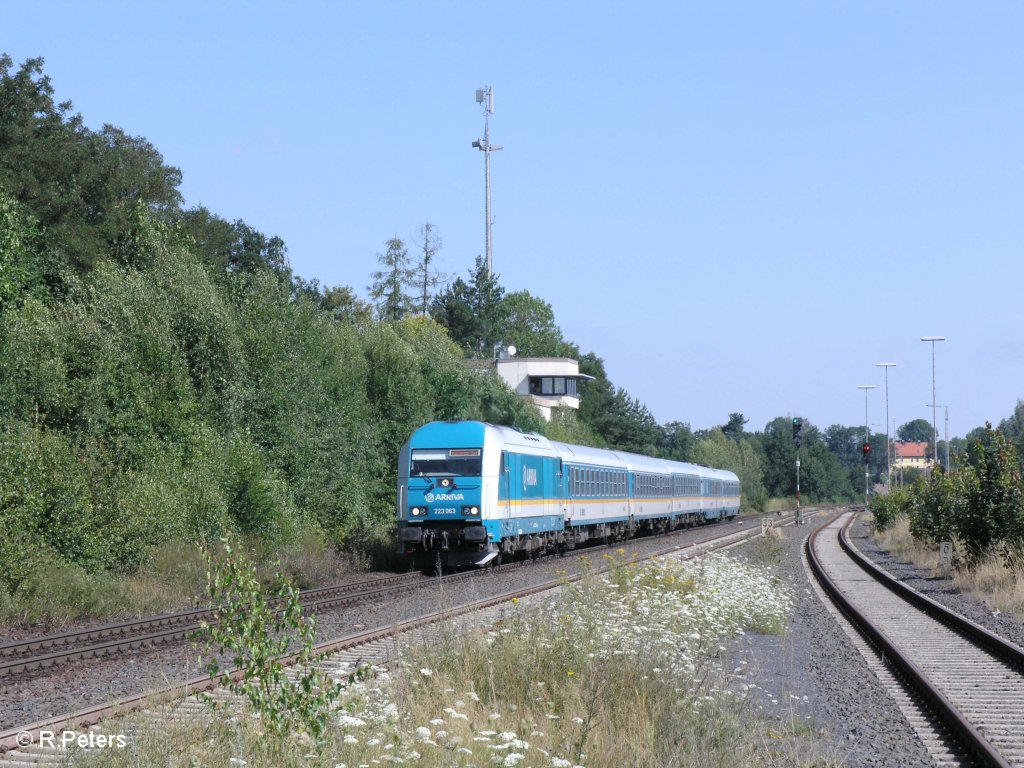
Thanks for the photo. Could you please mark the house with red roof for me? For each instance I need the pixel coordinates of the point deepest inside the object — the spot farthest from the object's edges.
(911, 455)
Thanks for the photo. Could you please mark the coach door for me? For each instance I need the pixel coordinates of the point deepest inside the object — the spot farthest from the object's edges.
(550, 479)
(505, 494)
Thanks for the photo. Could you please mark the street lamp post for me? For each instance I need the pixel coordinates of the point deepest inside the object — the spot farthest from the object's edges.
(935, 428)
(945, 432)
(867, 468)
(888, 459)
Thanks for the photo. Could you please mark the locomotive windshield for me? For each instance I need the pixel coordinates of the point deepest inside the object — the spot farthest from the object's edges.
(461, 462)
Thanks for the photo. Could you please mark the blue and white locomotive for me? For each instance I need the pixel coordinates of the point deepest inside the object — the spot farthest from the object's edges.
(471, 493)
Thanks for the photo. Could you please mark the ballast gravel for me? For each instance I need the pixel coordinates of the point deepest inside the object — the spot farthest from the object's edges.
(66, 689)
(810, 681)
(816, 682)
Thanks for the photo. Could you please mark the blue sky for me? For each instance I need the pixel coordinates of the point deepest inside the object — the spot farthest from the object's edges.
(740, 206)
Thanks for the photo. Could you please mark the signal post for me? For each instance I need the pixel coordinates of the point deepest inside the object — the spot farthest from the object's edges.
(798, 437)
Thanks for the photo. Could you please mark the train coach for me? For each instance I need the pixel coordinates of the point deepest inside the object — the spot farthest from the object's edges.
(471, 493)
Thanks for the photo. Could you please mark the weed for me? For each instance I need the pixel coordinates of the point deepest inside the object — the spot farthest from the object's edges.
(256, 635)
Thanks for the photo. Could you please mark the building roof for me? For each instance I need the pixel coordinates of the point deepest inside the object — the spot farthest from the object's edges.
(911, 450)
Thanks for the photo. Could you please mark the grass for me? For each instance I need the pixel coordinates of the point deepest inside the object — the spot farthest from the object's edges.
(769, 549)
(779, 505)
(989, 582)
(620, 670)
(57, 594)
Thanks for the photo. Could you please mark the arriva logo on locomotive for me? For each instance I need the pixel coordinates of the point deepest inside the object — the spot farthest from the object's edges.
(529, 476)
(431, 497)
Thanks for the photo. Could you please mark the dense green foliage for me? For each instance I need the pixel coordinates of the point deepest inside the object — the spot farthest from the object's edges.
(164, 398)
(165, 377)
(981, 505)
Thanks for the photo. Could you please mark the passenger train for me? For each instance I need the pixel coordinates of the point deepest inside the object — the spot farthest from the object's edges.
(471, 493)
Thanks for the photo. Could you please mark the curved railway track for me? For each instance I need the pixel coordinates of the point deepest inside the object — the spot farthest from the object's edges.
(967, 678)
(360, 642)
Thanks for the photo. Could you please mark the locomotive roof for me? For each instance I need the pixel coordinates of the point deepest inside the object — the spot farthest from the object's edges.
(472, 433)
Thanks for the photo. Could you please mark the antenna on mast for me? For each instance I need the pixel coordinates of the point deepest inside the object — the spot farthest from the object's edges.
(485, 96)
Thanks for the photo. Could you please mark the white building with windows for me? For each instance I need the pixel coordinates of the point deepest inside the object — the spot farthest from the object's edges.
(547, 382)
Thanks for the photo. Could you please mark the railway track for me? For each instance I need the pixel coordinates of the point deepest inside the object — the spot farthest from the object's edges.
(968, 680)
(51, 651)
(365, 645)
(23, 656)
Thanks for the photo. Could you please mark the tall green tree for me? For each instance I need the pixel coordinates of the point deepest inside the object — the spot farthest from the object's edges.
(822, 477)
(846, 444)
(529, 323)
(388, 290)
(733, 428)
(1013, 428)
(677, 441)
(741, 456)
(473, 311)
(81, 185)
(231, 246)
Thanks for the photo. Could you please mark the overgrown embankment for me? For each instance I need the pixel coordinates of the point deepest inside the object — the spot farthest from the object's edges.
(153, 399)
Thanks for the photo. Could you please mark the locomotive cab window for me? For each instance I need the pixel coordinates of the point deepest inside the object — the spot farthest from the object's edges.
(461, 462)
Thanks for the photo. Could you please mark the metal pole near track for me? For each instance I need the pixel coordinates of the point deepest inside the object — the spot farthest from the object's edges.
(867, 444)
(888, 452)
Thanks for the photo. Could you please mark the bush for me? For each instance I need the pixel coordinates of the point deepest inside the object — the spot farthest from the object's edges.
(938, 503)
(993, 510)
(890, 507)
(255, 635)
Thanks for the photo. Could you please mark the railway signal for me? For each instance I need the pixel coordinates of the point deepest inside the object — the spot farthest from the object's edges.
(798, 437)
(867, 452)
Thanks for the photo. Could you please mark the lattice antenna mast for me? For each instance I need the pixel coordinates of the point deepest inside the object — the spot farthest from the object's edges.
(485, 96)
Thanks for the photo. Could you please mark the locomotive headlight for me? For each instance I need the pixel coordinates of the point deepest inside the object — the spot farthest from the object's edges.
(471, 510)
(417, 511)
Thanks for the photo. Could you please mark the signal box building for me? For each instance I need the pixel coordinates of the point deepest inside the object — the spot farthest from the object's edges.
(547, 382)
(911, 455)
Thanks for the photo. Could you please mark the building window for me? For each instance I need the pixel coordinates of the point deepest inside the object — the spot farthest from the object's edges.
(553, 386)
